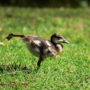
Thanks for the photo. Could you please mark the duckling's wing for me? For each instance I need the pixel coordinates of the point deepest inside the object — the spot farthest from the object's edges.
(39, 41)
(52, 51)
(36, 43)
(49, 49)
(44, 47)
(47, 43)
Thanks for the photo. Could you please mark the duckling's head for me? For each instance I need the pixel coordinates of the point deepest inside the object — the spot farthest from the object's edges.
(58, 39)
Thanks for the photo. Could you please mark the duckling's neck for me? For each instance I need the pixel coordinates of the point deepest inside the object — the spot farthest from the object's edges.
(58, 47)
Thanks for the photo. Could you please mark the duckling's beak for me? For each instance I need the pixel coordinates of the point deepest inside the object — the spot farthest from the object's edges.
(65, 41)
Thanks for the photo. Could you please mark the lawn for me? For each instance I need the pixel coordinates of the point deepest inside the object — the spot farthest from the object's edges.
(69, 71)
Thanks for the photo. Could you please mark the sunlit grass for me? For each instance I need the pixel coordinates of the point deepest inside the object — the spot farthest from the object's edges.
(70, 71)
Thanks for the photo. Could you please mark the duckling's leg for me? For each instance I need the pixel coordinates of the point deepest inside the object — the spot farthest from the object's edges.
(41, 56)
(39, 62)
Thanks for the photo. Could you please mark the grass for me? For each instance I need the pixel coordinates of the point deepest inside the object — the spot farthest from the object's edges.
(70, 71)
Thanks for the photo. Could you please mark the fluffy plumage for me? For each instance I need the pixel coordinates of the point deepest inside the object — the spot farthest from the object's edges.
(41, 47)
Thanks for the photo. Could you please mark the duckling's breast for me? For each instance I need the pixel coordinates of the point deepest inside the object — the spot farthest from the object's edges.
(59, 47)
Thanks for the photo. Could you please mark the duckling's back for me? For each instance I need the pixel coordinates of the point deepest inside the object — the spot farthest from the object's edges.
(40, 46)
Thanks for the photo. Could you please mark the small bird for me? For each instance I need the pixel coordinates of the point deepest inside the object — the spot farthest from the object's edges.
(41, 47)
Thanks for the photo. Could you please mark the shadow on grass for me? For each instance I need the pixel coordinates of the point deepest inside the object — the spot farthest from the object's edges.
(13, 69)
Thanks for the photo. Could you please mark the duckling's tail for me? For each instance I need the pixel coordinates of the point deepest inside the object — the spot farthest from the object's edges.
(14, 35)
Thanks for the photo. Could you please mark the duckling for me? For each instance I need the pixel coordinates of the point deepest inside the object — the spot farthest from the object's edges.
(41, 47)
